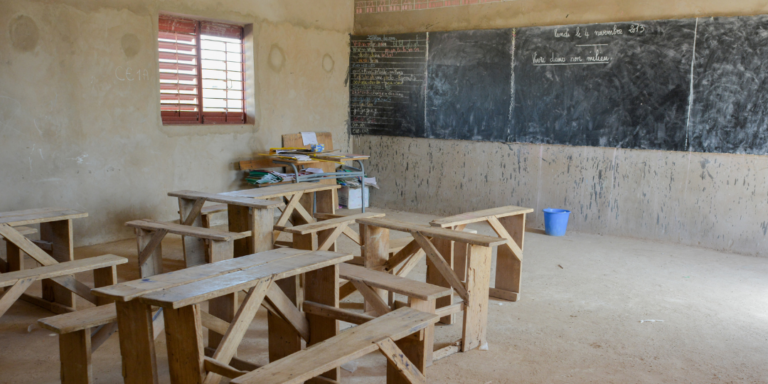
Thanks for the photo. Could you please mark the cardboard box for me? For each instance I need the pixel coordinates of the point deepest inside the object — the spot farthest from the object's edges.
(351, 199)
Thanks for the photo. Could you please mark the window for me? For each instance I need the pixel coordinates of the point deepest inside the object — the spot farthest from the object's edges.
(201, 72)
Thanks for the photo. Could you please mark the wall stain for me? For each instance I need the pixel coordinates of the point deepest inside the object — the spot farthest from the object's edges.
(276, 58)
(131, 45)
(24, 33)
(328, 63)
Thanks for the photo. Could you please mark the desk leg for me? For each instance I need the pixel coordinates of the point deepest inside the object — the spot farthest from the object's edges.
(223, 307)
(327, 201)
(184, 336)
(283, 339)
(194, 248)
(15, 257)
(238, 222)
(420, 351)
(137, 342)
(262, 223)
(154, 263)
(476, 309)
(59, 234)
(509, 267)
(321, 287)
(446, 248)
(375, 251)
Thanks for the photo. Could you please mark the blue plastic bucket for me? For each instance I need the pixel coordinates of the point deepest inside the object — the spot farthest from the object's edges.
(555, 221)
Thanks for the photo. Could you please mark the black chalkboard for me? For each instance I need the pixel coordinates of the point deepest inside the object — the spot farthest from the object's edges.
(387, 76)
(730, 98)
(609, 85)
(469, 85)
(685, 85)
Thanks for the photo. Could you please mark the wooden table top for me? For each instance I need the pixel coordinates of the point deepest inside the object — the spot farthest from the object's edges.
(227, 199)
(281, 190)
(200, 283)
(39, 215)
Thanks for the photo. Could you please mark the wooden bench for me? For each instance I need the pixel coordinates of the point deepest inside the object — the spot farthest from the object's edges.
(56, 245)
(509, 223)
(150, 234)
(473, 291)
(322, 235)
(388, 334)
(82, 332)
(421, 296)
(17, 263)
(104, 274)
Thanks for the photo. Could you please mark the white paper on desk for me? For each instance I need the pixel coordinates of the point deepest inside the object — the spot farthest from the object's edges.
(309, 138)
(314, 170)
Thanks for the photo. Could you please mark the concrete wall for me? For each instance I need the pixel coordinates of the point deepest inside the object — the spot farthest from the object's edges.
(712, 200)
(76, 132)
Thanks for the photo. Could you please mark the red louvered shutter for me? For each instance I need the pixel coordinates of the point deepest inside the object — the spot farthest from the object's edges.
(201, 72)
(179, 71)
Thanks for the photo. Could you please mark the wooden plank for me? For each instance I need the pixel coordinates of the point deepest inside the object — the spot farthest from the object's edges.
(434, 275)
(312, 308)
(410, 264)
(320, 287)
(37, 216)
(509, 259)
(281, 190)
(221, 369)
(14, 256)
(372, 298)
(239, 221)
(346, 289)
(435, 232)
(132, 289)
(328, 224)
(203, 290)
(282, 338)
(228, 346)
(61, 269)
(194, 248)
(450, 309)
(212, 209)
(184, 337)
(103, 334)
(441, 265)
(76, 287)
(347, 346)
(229, 200)
(47, 305)
(401, 364)
(150, 255)
(445, 352)
(352, 235)
(137, 343)
(26, 245)
(75, 356)
(288, 311)
(476, 302)
(104, 277)
(375, 252)
(261, 222)
(327, 239)
(60, 235)
(483, 215)
(186, 230)
(151, 248)
(194, 212)
(502, 294)
(214, 323)
(386, 281)
(236, 363)
(222, 308)
(403, 254)
(12, 294)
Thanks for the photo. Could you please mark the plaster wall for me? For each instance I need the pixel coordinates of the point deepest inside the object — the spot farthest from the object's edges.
(717, 201)
(79, 103)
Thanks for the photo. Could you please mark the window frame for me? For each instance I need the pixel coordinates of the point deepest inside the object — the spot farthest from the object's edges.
(201, 117)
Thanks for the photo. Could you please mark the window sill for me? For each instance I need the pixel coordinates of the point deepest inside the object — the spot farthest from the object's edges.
(176, 130)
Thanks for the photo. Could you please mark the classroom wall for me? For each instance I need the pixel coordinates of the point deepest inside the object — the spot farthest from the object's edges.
(713, 200)
(76, 132)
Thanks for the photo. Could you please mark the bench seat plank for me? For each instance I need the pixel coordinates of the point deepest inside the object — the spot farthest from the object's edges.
(348, 345)
(39, 215)
(386, 281)
(306, 229)
(203, 290)
(281, 190)
(132, 289)
(211, 209)
(61, 269)
(79, 320)
(24, 231)
(473, 217)
(230, 200)
(186, 230)
(462, 237)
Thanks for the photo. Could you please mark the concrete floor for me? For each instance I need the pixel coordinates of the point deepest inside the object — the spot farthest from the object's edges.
(578, 321)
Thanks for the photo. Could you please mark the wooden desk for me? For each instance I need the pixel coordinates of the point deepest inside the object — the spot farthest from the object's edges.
(474, 292)
(301, 199)
(509, 223)
(245, 214)
(179, 293)
(55, 245)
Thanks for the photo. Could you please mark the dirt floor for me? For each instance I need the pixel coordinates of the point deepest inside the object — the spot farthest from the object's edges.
(579, 319)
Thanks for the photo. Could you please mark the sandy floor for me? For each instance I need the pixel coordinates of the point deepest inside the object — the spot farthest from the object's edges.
(578, 320)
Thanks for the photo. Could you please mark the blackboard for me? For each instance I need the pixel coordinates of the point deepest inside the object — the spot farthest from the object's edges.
(478, 66)
(387, 76)
(683, 85)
